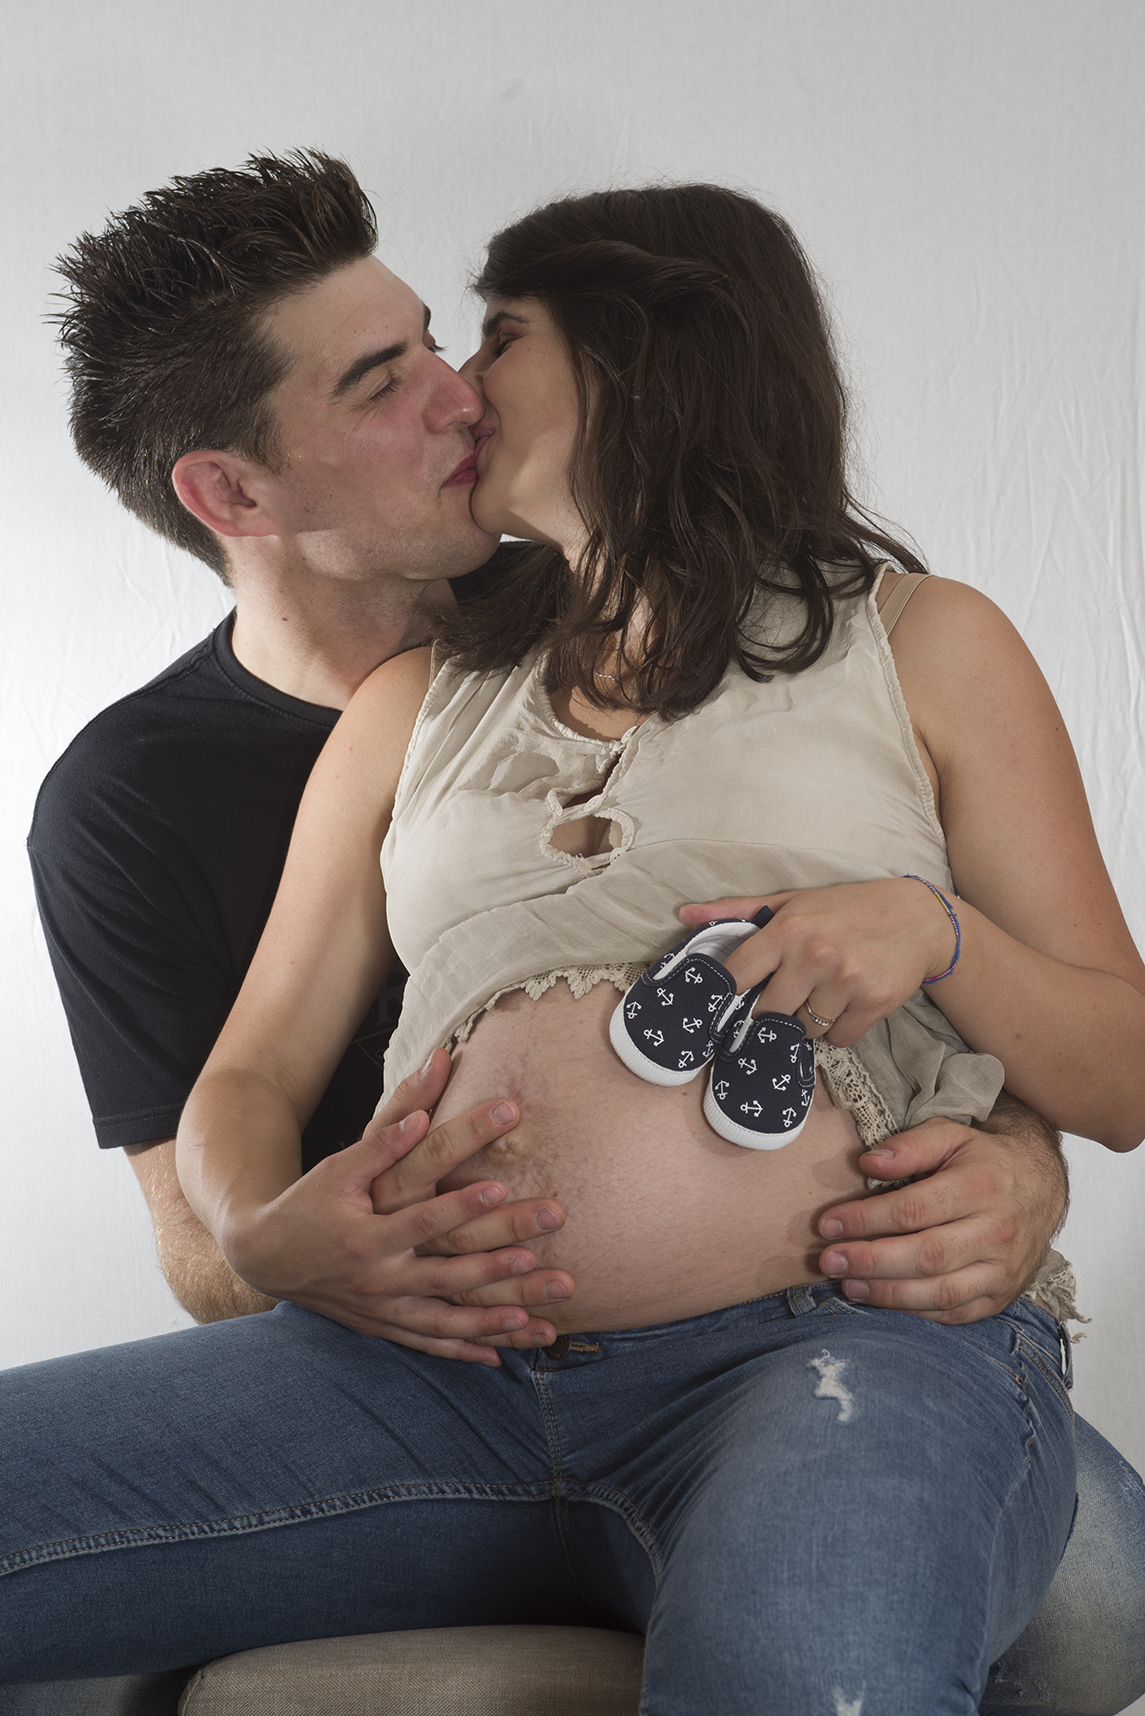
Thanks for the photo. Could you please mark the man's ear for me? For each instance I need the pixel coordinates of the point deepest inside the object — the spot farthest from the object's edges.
(224, 493)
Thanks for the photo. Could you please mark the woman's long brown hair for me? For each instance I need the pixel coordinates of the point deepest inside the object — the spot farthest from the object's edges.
(710, 464)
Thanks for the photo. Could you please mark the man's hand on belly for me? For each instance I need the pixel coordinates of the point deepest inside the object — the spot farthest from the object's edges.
(966, 1238)
(364, 1239)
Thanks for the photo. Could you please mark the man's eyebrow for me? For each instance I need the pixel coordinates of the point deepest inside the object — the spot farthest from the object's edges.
(362, 366)
(491, 323)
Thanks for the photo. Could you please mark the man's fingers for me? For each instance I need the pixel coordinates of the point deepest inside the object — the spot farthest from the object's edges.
(962, 1297)
(946, 1197)
(921, 1256)
(411, 1179)
(922, 1150)
(525, 1220)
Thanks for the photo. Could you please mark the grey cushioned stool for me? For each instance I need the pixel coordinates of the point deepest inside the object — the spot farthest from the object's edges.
(441, 1671)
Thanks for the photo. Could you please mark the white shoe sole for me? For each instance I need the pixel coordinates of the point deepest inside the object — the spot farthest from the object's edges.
(640, 1064)
(737, 1134)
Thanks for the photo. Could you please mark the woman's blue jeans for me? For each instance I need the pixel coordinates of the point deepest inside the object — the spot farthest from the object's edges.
(807, 1505)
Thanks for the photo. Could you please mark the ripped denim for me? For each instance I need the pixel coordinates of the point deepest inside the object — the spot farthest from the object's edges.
(811, 1508)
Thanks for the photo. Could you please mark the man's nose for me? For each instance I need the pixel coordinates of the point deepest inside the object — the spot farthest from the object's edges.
(454, 399)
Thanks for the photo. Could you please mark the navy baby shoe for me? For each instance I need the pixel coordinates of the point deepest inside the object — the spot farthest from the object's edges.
(763, 1079)
(668, 1025)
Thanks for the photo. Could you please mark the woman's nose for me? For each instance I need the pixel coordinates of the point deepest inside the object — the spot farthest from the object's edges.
(472, 371)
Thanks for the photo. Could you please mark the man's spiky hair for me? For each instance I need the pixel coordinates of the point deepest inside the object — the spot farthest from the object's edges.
(161, 325)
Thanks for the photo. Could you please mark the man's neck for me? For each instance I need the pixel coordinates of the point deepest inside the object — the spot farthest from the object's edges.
(319, 642)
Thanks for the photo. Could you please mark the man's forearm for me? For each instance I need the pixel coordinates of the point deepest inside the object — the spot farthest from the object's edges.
(194, 1268)
(199, 1275)
(1011, 1118)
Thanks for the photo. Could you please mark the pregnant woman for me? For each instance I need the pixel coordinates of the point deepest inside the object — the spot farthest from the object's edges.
(805, 1504)
(692, 686)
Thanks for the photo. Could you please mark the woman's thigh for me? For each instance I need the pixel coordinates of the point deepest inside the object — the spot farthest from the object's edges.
(1083, 1654)
(863, 1516)
(270, 1478)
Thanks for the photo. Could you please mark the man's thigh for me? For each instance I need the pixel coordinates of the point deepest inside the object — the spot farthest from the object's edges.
(268, 1478)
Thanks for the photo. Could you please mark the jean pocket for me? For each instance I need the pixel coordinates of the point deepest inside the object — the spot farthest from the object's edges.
(1043, 1344)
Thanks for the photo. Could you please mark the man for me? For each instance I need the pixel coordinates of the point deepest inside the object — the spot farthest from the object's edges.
(200, 345)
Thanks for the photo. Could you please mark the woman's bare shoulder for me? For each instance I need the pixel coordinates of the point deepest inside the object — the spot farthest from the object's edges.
(363, 757)
(386, 704)
(953, 637)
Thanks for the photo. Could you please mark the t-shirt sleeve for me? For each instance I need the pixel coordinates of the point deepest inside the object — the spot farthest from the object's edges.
(144, 992)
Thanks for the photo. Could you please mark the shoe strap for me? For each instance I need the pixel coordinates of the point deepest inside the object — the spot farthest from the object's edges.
(737, 1008)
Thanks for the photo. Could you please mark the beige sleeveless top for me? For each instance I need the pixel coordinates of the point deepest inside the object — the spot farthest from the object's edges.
(803, 781)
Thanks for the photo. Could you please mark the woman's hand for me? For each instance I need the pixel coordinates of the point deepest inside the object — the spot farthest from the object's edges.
(364, 1239)
(850, 954)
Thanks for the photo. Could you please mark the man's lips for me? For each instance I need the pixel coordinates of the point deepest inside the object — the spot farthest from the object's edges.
(465, 475)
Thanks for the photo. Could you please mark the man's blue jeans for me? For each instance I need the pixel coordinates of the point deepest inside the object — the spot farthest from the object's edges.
(806, 1505)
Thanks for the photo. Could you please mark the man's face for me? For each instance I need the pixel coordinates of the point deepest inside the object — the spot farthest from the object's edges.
(375, 435)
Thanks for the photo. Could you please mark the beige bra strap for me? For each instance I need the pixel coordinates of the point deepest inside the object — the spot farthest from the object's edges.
(898, 599)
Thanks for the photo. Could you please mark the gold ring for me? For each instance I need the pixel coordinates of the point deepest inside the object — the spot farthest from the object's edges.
(814, 1017)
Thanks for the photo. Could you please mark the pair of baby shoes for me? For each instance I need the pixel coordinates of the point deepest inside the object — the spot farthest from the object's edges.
(684, 1013)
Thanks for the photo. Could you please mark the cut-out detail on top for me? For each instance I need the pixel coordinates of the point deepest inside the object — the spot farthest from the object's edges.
(595, 837)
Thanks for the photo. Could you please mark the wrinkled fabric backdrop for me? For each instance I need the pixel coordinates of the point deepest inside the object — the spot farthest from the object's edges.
(967, 178)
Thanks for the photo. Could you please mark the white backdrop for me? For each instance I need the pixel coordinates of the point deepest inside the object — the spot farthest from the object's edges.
(966, 174)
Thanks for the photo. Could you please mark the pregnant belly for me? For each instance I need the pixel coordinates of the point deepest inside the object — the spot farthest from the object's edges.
(665, 1218)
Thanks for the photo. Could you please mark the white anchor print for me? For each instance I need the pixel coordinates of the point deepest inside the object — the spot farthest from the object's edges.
(654, 1037)
(632, 1009)
(789, 1117)
(686, 1059)
(766, 1035)
(748, 1066)
(691, 1025)
(781, 1083)
(691, 976)
(666, 997)
(751, 1108)
(721, 1090)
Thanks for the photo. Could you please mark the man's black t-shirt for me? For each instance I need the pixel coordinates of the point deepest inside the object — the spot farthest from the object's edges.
(156, 846)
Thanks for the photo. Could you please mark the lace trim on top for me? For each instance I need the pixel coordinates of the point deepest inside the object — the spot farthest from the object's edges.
(580, 979)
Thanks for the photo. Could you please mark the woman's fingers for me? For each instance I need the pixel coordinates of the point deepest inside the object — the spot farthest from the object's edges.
(525, 1220)
(850, 953)
(422, 1323)
(421, 1089)
(741, 906)
(541, 1287)
(414, 1176)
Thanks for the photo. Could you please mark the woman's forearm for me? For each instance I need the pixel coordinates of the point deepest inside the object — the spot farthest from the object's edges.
(238, 1148)
(1072, 1040)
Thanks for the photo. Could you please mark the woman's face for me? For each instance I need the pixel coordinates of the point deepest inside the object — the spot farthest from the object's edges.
(528, 433)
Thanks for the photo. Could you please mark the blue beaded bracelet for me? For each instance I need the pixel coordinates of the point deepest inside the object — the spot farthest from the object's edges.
(952, 915)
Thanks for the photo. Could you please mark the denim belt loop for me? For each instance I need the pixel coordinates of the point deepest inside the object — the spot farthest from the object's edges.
(1067, 1355)
(801, 1300)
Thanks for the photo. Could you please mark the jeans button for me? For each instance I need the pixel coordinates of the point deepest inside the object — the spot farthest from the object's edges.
(558, 1349)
